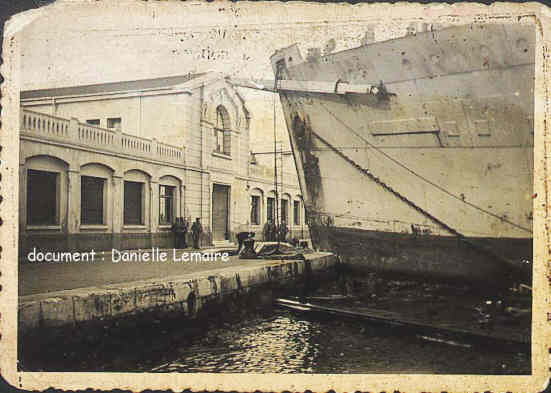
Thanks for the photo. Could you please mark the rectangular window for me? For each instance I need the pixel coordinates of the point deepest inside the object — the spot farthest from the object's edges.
(255, 210)
(296, 212)
(42, 198)
(94, 122)
(284, 210)
(133, 203)
(114, 122)
(271, 209)
(91, 200)
(166, 204)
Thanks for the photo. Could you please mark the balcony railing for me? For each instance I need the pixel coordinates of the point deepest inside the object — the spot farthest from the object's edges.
(40, 125)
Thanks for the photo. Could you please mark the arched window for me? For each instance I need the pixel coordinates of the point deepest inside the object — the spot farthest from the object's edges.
(222, 132)
(284, 210)
(94, 194)
(169, 195)
(271, 206)
(136, 198)
(256, 206)
(297, 210)
(46, 187)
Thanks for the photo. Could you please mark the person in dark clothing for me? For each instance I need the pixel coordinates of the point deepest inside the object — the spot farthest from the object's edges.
(196, 230)
(174, 229)
(241, 237)
(180, 228)
(275, 232)
(283, 231)
(268, 231)
(184, 230)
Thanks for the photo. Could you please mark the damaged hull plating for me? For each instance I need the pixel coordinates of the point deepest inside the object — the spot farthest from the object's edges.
(430, 171)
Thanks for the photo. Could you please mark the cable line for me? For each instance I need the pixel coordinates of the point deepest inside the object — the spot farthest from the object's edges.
(412, 204)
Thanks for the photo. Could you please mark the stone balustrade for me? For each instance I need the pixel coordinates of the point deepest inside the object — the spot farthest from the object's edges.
(43, 126)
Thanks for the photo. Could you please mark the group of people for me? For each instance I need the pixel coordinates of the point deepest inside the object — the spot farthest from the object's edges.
(272, 231)
(180, 230)
(181, 226)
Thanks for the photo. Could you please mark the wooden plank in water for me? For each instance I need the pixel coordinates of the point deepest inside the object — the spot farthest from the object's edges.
(398, 320)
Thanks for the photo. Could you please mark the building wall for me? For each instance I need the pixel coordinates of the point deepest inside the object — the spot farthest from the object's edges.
(186, 121)
(68, 233)
(264, 188)
(162, 116)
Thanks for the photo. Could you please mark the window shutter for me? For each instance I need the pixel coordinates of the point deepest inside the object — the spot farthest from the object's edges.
(42, 197)
(91, 200)
(133, 203)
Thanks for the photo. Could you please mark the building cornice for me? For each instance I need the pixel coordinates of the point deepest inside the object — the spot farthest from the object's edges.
(29, 102)
(181, 88)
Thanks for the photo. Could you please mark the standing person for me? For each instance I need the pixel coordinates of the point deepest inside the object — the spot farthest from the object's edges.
(177, 230)
(283, 231)
(275, 232)
(185, 227)
(196, 230)
(267, 231)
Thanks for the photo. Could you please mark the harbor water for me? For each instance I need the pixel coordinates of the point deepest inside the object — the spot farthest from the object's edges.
(240, 338)
(286, 343)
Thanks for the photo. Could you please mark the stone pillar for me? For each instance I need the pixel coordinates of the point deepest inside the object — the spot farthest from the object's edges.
(117, 142)
(73, 201)
(153, 206)
(153, 212)
(73, 129)
(73, 209)
(181, 210)
(154, 152)
(205, 132)
(237, 156)
(206, 210)
(262, 203)
(117, 209)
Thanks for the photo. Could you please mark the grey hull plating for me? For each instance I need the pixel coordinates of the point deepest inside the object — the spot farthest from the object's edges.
(436, 257)
(441, 148)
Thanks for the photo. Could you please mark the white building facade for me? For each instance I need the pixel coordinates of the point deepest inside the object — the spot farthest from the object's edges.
(112, 165)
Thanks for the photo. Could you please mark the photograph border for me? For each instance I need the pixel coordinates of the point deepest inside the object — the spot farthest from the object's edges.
(537, 14)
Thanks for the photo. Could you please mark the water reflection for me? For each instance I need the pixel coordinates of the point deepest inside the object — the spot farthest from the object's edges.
(277, 345)
(287, 343)
(283, 342)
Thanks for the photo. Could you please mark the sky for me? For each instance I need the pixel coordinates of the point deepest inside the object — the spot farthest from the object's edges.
(74, 43)
(70, 44)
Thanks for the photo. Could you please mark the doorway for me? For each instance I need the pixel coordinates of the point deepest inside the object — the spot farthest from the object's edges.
(220, 211)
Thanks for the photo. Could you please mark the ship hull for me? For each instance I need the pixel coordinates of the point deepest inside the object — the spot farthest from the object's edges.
(433, 174)
(427, 257)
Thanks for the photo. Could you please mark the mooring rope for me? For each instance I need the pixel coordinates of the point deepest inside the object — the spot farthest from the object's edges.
(412, 204)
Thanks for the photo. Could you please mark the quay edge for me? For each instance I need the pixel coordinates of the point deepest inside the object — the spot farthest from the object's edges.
(183, 295)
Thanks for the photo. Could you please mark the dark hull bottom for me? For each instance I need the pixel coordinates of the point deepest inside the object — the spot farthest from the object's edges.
(433, 257)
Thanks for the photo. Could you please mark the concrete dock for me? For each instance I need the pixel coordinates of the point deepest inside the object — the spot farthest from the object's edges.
(106, 293)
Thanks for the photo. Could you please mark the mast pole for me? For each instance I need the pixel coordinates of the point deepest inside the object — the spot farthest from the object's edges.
(278, 229)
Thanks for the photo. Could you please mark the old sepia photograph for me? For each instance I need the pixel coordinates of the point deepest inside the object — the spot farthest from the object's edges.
(253, 190)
